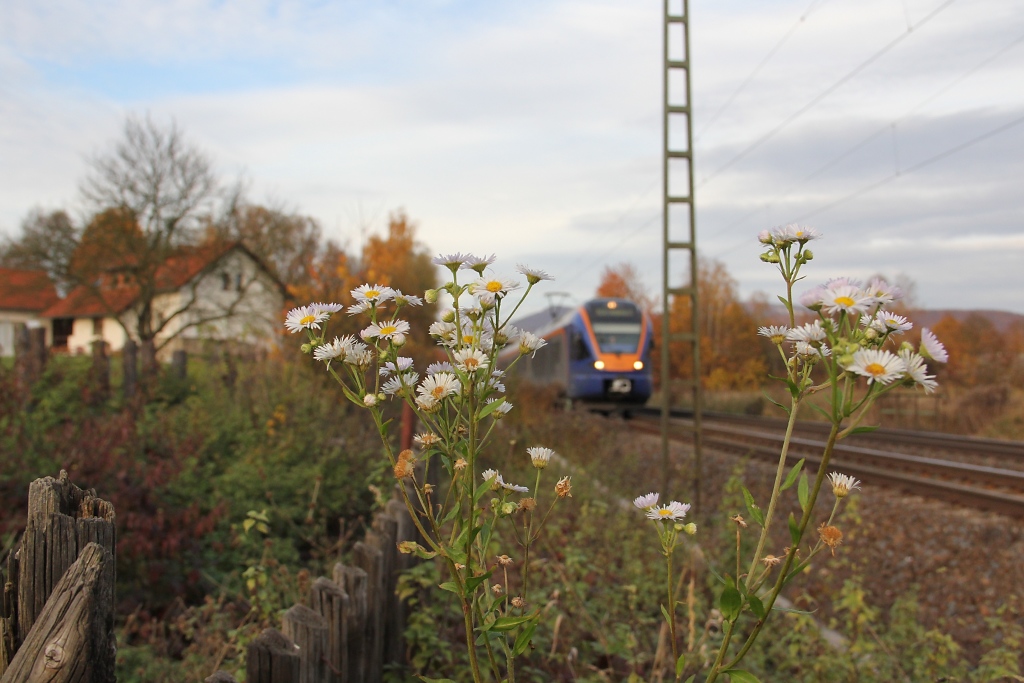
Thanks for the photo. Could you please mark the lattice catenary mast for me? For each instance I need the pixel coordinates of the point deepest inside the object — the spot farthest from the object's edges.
(678, 216)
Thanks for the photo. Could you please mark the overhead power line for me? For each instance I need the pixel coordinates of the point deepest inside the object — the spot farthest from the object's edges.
(757, 69)
(927, 162)
(825, 93)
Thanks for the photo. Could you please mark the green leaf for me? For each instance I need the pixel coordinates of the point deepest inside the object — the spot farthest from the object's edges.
(794, 530)
(793, 474)
(680, 663)
(772, 400)
(690, 679)
(509, 623)
(715, 573)
(739, 676)
(784, 300)
(451, 515)
(482, 491)
(664, 613)
(523, 639)
(757, 607)
(864, 430)
(730, 603)
(776, 608)
(755, 512)
(435, 680)
(449, 586)
(821, 410)
(490, 407)
(802, 492)
(474, 582)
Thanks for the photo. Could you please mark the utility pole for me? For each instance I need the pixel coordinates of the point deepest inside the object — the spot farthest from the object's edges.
(679, 229)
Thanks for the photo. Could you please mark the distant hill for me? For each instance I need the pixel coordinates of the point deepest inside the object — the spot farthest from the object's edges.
(1001, 320)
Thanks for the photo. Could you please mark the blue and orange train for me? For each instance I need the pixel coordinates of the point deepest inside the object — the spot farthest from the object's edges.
(599, 352)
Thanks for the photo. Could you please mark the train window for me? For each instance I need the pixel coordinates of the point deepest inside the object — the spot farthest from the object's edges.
(577, 347)
(617, 337)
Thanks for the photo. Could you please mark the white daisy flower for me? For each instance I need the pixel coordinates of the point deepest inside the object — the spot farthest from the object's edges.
(400, 383)
(442, 330)
(529, 343)
(648, 501)
(776, 333)
(386, 330)
(427, 403)
(489, 289)
(540, 456)
(478, 263)
(877, 365)
(514, 487)
(806, 350)
(407, 299)
(884, 321)
(372, 293)
(359, 354)
(304, 318)
(327, 308)
(673, 511)
(451, 261)
(470, 360)
(336, 349)
(533, 275)
(842, 484)
(846, 298)
(440, 385)
(502, 410)
(800, 233)
(931, 347)
(813, 298)
(918, 371)
(361, 307)
(811, 332)
(441, 366)
(401, 364)
(883, 292)
(426, 439)
(494, 381)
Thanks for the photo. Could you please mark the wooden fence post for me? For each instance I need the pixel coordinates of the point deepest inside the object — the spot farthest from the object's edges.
(309, 631)
(367, 556)
(354, 581)
(220, 677)
(130, 360)
(72, 640)
(272, 658)
(179, 364)
(329, 600)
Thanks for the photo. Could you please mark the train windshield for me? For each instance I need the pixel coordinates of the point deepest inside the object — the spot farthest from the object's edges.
(617, 325)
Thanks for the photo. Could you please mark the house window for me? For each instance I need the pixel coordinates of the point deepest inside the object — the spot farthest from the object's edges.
(238, 282)
(62, 328)
(97, 327)
(225, 281)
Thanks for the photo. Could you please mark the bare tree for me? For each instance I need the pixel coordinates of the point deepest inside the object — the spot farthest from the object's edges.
(47, 242)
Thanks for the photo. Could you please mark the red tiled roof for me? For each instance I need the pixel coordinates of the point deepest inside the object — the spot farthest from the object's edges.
(178, 270)
(26, 290)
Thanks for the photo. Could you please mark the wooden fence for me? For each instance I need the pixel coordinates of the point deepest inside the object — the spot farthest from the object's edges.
(57, 614)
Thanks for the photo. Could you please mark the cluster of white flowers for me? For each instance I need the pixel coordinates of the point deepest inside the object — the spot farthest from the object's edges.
(853, 325)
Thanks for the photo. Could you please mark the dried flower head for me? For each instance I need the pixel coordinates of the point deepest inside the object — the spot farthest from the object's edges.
(460, 464)
(426, 439)
(564, 488)
(405, 465)
(504, 560)
(771, 560)
(496, 588)
(739, 521)
(518, 602)
(830, 536)
(527, 504)
(428, 489)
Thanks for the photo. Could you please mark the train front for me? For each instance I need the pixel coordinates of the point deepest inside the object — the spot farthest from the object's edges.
(609, 353)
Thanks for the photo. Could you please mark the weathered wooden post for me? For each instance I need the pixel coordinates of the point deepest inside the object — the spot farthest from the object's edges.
(100, 371)
(66, 527)
(329, 600)
(220, 677)
(354, 581)
(179, 364)
(272, 658)
(367, 556)
(130, 359)
(310, 633)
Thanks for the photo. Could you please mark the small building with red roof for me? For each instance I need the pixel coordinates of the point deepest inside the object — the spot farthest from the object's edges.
(214, 291)
(24, 294)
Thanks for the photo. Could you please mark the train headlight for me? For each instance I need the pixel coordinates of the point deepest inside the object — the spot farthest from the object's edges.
(599, 365)
(638, 365)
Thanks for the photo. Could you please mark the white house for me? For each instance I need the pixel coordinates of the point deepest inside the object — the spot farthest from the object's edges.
(220, 292)
(24, 294)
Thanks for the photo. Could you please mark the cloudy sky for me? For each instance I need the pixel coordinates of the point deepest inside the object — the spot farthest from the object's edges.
(533, 128)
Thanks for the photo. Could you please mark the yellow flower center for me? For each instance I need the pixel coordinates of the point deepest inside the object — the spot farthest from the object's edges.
(467, 339)
(494, 287)
(438, 392)
(307, 320)
(875, 369)
(371, 294)
(472, 363)
(665, 512)
(844, 301)
(388, 329)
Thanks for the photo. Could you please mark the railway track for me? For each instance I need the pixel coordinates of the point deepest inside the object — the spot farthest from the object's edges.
(958, 476)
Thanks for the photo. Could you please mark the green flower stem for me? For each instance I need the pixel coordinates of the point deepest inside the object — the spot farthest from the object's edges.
(776, 490)
(790, 557)
(671, 605)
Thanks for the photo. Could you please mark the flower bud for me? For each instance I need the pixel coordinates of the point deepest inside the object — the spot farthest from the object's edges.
(871, 334)
(307, 348)
(430, 296)
(766, 257)
(448, 316)
(690, 529)
(808, 255)
(508, 508)
(398, 340)
(369, 400)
